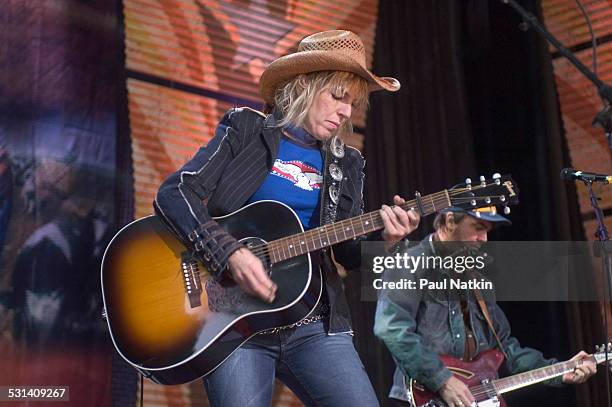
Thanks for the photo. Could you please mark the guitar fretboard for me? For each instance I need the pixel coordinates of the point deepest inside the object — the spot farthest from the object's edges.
(324, 236)
(536, 376)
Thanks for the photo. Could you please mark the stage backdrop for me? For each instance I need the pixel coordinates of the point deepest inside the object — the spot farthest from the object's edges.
(579, 100)
(58, 75)
(578, 96)
(187, 62)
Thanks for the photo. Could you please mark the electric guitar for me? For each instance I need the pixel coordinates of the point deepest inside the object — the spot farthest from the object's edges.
(480, 375)
(174, 323)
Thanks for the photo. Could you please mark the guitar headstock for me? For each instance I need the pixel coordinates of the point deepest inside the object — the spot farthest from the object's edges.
(600, 353)
(497, 190)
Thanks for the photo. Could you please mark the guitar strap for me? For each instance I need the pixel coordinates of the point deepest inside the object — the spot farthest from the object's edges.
(485, 312)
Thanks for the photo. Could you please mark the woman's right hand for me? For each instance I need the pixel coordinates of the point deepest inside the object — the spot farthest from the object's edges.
(248, 271)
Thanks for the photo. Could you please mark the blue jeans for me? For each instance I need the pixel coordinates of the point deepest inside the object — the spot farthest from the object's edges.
(321, 369)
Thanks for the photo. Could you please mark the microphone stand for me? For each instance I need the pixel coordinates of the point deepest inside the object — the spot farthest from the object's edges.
(605, 251)
(603, 119)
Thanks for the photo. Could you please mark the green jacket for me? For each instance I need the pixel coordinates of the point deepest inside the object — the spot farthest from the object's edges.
(417, 325)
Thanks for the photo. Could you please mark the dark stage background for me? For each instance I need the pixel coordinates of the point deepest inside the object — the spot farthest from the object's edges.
(480, 99)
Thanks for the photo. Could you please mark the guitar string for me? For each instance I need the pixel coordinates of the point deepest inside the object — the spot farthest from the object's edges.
(263, 251)
(339, 226)
(439, 197)
(481, 390)
(290, 243)
(436, 198)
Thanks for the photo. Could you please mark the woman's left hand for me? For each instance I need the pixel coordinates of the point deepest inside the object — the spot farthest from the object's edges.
(398, 222)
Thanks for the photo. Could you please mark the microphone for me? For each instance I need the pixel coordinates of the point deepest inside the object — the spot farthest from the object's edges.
(568, 174)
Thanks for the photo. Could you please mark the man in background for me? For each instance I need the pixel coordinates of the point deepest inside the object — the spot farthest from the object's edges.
(419, 325)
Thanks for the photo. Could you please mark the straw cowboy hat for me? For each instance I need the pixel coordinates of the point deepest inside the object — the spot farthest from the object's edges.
(336, 50)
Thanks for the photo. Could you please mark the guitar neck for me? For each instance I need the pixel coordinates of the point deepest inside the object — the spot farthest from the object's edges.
(328, 235)
(520, 380)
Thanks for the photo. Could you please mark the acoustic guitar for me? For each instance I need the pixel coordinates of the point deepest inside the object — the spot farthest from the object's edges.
(174, 323)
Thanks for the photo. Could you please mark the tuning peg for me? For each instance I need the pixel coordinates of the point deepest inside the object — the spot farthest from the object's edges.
(497, 178)
(473, 202)
(597, 348)
(488, 200)
(483, 181)
(468, 183)
(506, 210)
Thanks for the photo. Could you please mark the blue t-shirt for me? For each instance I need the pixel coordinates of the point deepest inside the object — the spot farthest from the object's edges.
(295, 180)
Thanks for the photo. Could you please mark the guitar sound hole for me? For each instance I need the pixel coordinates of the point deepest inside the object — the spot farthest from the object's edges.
(258, 247)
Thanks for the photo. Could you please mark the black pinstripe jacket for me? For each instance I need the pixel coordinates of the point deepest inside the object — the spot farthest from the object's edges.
(224, 174)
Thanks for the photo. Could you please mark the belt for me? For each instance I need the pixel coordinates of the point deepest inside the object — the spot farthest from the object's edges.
(320, 312)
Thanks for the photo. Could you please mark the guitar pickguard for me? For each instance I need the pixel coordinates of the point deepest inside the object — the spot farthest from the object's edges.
(223, 299)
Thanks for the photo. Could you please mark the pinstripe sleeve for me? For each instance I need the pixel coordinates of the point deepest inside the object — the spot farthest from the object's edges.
(180, 199)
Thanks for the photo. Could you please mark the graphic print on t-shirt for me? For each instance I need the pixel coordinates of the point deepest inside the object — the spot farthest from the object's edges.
(300, 174)
(295, 179)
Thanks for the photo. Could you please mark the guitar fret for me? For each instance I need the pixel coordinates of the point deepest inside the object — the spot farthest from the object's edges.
(337, 239)
(313, 242)
(284, 248)
(274, 248)
(354, 224)
(344, 229)
(301, 244)
(292, 246)
(534, 376)
(296, 245)
(353, 230)
(326, 242)
(372, 218)
(447, 201)
(318, 238)
(289, 246)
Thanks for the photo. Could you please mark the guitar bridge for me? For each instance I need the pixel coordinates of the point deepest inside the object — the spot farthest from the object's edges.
(190, 270)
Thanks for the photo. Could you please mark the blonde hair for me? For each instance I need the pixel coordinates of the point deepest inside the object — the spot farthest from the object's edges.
(295, 98)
